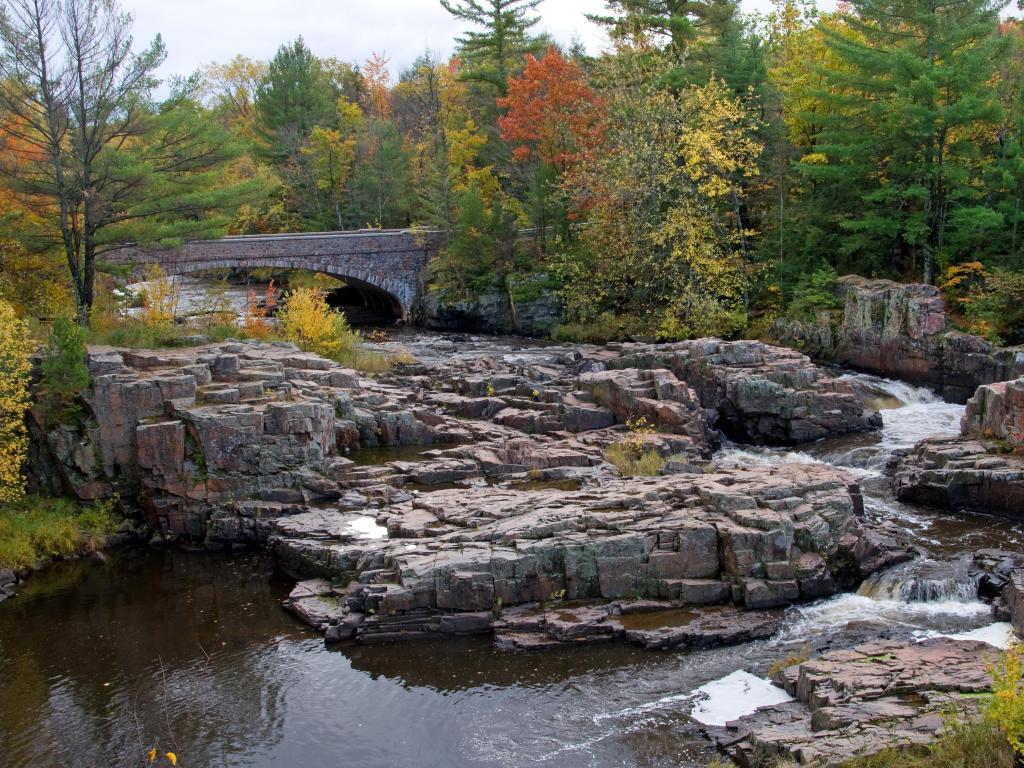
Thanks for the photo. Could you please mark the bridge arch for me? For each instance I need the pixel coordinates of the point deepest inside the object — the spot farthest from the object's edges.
(385, 265)
(377, 293)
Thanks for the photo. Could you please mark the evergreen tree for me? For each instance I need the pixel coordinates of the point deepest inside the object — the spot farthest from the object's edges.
(688, 31)
(492, 54)
(896, 164)
(294, 96)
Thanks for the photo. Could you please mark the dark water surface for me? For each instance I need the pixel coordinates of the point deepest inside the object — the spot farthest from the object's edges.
(192, 653)
(99, 662)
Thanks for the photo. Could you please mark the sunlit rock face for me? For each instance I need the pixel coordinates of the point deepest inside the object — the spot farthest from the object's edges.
(901, 330)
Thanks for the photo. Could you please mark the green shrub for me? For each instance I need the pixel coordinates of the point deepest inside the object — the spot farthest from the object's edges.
(813, 291)
(65, 370)
(37, 529)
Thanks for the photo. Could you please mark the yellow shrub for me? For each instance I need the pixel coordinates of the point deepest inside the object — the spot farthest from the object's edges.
(1006, 709)
(15, 400)
(162, 295)
(306, 320)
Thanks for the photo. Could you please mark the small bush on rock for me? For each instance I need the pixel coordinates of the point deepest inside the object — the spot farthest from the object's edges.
(65, 371)
(307, 320)
(632, 456)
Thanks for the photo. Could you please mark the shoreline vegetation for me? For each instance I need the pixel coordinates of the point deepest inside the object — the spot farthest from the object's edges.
(37, 530)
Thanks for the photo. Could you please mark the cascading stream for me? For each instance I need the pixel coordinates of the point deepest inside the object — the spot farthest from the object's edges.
(931, 594)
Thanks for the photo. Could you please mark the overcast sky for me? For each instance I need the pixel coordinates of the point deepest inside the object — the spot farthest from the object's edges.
(197, 32)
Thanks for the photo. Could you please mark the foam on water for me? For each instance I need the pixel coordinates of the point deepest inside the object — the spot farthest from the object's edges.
(909, 414)
(733, 696)
(999, 635)
(828, 616)
(366, 527)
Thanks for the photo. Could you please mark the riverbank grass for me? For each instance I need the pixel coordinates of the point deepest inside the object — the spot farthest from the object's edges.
(38, 529)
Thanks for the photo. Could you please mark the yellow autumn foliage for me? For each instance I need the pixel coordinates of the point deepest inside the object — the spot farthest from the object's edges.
(1006, 709)
(15, 400)
(307, 320)
(162, 294)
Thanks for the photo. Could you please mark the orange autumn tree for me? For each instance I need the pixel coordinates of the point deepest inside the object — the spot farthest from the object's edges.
(553, 114)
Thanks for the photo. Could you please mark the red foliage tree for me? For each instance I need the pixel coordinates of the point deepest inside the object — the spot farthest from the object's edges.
(552, 114)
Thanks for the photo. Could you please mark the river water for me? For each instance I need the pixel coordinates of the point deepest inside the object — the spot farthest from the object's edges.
(192, 653)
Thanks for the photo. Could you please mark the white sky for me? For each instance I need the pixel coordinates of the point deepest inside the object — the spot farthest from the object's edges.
(197, 32)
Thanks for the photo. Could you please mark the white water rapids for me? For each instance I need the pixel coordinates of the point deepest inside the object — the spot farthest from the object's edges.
(926, 598)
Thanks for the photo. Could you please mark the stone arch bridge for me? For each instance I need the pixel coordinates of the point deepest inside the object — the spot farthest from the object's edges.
(384, 266)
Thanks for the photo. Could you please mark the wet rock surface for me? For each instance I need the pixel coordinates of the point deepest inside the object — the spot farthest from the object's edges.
(901, 330)
(983, 469)
(861, 701)
(756, 539)
(496, 493)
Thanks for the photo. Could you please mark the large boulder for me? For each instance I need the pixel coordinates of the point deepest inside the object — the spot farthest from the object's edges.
(760, 393)
(654, 395)
(997, 412)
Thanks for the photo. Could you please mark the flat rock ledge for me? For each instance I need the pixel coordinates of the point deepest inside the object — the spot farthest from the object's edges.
(500, 496)
(861, 701)
(962, 475)
(983, 469)
(465, 561)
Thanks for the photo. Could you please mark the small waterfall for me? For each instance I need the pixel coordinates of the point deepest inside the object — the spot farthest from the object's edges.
(909, 413)
(924, 581)
(920, 589)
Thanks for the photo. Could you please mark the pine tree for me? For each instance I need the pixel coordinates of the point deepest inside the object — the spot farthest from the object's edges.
(294, 96)
(688, 31)
(897, 158)
(491, 55)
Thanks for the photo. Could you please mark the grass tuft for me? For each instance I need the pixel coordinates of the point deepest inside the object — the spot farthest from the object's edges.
(38, 529)
(631, 462)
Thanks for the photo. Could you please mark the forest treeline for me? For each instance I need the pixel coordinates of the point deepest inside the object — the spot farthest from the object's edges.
(708, 170)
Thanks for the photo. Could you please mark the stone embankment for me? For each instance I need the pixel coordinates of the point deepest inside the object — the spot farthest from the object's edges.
(901, 330)
(982, 469)
(496, 512)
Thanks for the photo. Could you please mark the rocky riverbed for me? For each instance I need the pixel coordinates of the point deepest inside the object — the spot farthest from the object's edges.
(468, 494)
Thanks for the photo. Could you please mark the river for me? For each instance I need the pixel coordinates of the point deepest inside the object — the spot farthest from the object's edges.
(192, 653)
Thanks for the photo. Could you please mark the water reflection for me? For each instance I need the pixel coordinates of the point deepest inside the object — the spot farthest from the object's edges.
(98, 662)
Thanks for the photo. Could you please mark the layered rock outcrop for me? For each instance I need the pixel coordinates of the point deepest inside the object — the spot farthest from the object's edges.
(901, 330)
(502, 497)
(759, 539)
(759, 394)
(862, 701)
(983, 469)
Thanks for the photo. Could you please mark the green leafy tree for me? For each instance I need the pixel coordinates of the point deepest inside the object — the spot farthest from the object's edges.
(666, 241)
